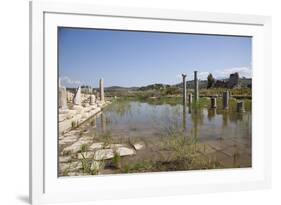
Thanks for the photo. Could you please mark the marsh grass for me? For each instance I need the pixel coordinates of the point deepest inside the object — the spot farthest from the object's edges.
(106, 138)
(185, 155)
(141, 166)
(116, 160)
(66, 171)
(85, 163)
(90, 166)
(236, 157)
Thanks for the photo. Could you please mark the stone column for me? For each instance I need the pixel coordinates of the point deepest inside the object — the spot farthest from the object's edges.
(240, 106)
(184, 90)
(196, 87)
(69, 96)
(62, 98)
(92, 99)
(213, 102)
(77, 97)
(101, 90)
(225, 99)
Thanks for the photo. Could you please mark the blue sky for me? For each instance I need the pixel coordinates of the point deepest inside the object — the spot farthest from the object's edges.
(126, 58)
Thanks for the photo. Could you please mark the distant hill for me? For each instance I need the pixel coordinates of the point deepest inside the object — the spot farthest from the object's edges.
(119, 88)
(243, 82)
(240, 82)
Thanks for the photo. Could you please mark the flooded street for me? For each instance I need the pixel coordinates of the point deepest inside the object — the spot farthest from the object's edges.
(141, 119)
(222, 136)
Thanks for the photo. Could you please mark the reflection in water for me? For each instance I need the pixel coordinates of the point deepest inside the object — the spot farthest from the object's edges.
(141, 119)
(236, 117)
(184, 119)
(225, 118)
(122, 107)
(94, 122)
(195, 118)
(211, 113)
(103, 122)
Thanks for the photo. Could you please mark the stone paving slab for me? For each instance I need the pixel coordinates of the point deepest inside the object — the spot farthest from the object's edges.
(230, 151)
(115, 146)
(63, 159)
(67, 140)
(204, 149)
(71, 167)
(223, 159)
(76, 147)
(87, 155)
(138, 145)
(217, 145)
(124, 151)
(103, 154)
(96, 145)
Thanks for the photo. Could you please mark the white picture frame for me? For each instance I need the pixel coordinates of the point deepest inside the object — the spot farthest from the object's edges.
(46, 187)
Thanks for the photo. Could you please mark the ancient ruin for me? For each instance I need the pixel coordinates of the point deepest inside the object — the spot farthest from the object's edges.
(75, 108)
(213, 102)
(196, 87)
(240, 106)
(92, 99)
(146, 115)
(101, 90)
(225, 98)
(184, 89)
(63, 99)
(233, 81)
(77, 97)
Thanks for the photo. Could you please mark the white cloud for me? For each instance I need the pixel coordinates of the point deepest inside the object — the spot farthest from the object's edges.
(179, 76)
(203, 75)
(224, 73)
(67, 81)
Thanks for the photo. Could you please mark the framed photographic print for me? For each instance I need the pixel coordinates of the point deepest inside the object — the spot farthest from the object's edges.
(129, 102)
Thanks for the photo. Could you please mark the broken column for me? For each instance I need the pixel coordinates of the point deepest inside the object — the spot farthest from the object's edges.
(196, 87)
(184, 90)
(77, 98)
(240, 106)
(69, 96)
(92, 99)
(225, 99)
(213, 102)
(62, 97)
(101, 90)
